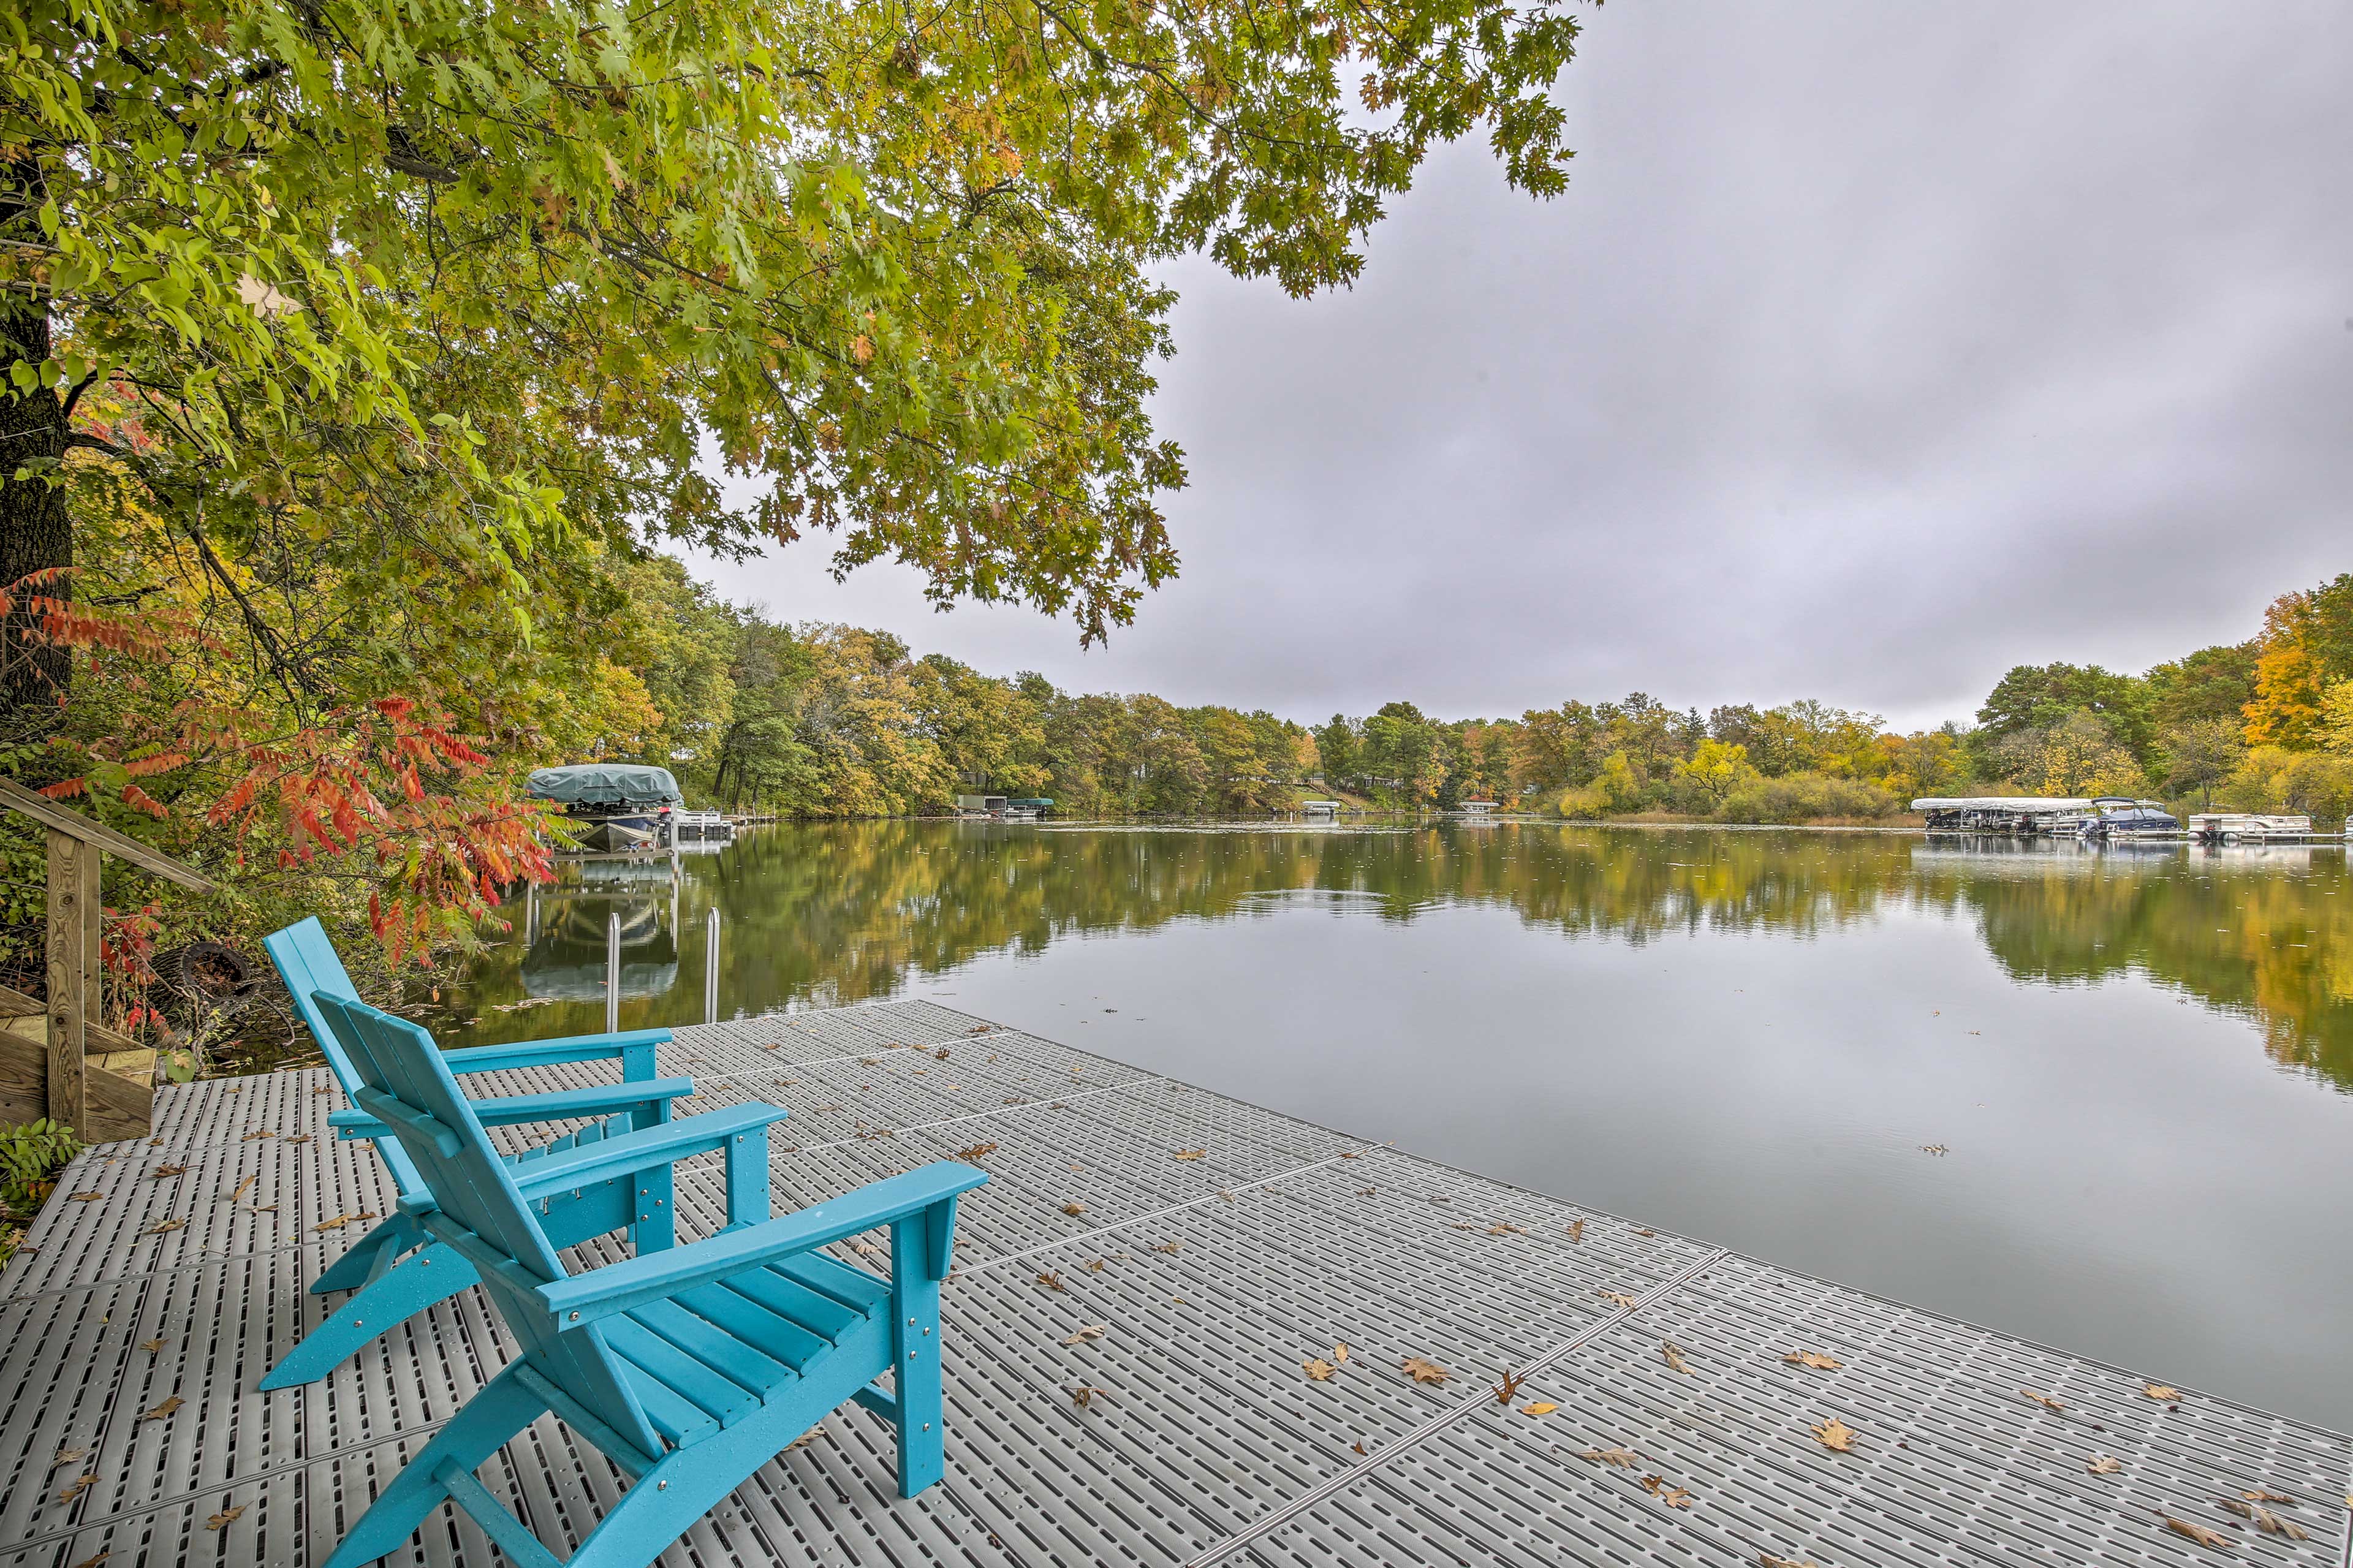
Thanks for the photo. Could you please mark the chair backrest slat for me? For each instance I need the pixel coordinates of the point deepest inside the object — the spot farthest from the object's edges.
(402, 1074)
(305, 960)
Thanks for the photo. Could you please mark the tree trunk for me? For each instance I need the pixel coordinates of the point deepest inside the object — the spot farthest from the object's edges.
(36, 531)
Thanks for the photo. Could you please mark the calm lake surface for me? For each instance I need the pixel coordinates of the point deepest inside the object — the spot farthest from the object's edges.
(2137, 1062)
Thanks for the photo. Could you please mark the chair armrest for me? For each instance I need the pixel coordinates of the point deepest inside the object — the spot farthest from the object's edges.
(631, 1151)
(560, 1105)
(549, 1053)
(655, 1276)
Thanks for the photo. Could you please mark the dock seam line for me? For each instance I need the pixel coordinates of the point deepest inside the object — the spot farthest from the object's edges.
(1259, 1528)
(1133, 1220)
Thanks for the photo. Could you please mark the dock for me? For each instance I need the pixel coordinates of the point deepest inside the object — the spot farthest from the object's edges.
(1138, 1295)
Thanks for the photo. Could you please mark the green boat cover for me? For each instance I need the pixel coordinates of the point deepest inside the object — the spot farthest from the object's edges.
(607, 783)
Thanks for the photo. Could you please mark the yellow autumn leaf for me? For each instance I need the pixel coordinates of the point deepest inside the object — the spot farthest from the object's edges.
(2159, 1392)
(224, 1518)
(1340, 1353)
(75, 1486)
(164, 1409)
(1320, 1369)
(1541, 1408)
(1671, 1354)
(2104, 1464)
(1190, 1154)
(1673, 1497)
(1814, 1358)
(1835, 1434)
(1090, 1331)
(2042, 1399)
(2197, 1533)
(1422, 1370)
(1621, 1458)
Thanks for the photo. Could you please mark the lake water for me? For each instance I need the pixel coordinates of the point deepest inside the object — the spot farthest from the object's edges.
(2099, 1098)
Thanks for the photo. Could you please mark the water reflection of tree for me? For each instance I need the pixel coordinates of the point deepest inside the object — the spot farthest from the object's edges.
(837, 913)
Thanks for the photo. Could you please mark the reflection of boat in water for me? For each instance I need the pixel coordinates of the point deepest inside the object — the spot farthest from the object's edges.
(567, 931)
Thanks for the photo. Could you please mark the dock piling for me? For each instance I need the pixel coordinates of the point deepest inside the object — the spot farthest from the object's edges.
(612, 972)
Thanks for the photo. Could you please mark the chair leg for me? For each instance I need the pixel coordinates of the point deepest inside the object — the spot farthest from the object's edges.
(471, 1437)
(915, 1360)
(365, 1259)
(409, 1286)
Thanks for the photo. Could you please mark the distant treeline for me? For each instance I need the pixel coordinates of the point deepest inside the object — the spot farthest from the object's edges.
(826, 721)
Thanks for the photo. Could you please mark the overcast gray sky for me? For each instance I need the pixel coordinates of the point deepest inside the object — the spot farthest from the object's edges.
(1875, 348)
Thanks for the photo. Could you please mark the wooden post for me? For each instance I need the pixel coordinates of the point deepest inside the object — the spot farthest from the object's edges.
(76, 976)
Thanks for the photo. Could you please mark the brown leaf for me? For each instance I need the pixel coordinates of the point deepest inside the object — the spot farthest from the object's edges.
(164, 1409)
(1074, 1209)
(1082, 1397)
(975, 1152)
(1671, 1354)
(1358, 1446)
(67, 1455)
(154, 1346)
(2265, 1520)
(1618, 1297)
(1836, 1435)
(2197, 1533)
(2160, 1393)
(1190, 1154)
(77, 1486)
(239, 1190)
(1319, 1370)
(94, 1562)
(85, 1197)
(2260, 1495)
(1170, 1246)
(1052, 1280)
(163, 1225)
(1814, 1358)
(300, 1138)
(1576, 1231)
(1541, 1408)
(1422, 1370)
(2042, 1399)
(2104, 1464)
(258, 1132)
(1091, 1332)
(1673, 1497)
(1766, 1560)
(1621, 1458)
(1500, 1228)
(1094, 1265)
(1509, 1389)
(224, 1518)
(1340, 1353)
(337, 1223)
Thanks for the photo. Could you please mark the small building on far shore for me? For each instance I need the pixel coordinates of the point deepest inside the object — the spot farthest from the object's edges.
(1474, 808)
(1320, 807)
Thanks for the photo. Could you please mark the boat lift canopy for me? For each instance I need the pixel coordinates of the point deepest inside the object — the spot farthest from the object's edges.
(606, 784)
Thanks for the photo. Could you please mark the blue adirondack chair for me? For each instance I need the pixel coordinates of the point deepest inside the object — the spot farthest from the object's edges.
(394, 1268)
(689, 1368)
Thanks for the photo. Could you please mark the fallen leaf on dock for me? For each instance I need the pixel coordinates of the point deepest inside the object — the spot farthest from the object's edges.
(1673, 1497)
(1623, 1457)
(85, 1197)
(75, 1486)
(337, 1223)
(1835, 1435)
(941, 1055)
(975, 1152)
(67, 1455)
(224, 1518)
(2104, 1464)
(2260, 1495)
(1190, 1154)
(1814, 1358)
(1082, 1397)
(1170, 1246)
(161, 1226)
(1766, 1560)
(1500, 1228)
(1576, 1231)
(159, 1171)
(1074, 1209)
(154, 1346)
(1422, 1370)
(1541, 1408)
(1359, 1448)
(1672, 1355)
(300, 1138)
(164, 1409)
(239, 1190)
(1052, 1280)
(1319, 1370)
(1617, 1297)
(1933, 1149)
(258, 1132)
(2160, 1393)
(1646, 1232)
(1091, 1332)
(2197, 1533)
(2042, 1399)
(1094, 1265)
(2266, 1520)
(1340, 1353)
(94, 1562)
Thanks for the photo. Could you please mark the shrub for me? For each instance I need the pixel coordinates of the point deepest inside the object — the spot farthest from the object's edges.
(1804, 797)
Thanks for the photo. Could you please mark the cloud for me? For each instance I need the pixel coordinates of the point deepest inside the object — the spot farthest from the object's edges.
(1872, 350)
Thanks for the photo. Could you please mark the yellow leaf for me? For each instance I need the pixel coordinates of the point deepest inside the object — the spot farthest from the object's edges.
(224, 1518)
(1091, 1332)
(1617, 1298)
(2260, 1495)
(1190, 1154)
(1576, 1231)
(1814, 1358)
(861, 349)
(239, 1190)
(1766, 1560)
(1074, 1209)
(1319, 1370)
(1836, 1435)
(2159, 1392)
(1673, 1497)
(163, 1225)
(164, 1409)
(85, 1197)
(1621, 1458)
(94, 1562)
(2042, 1399)
(67, 1455)
(1671, 1354)
(2197, 1533)
(1340, 1353)
(2104, 1464)
(154, 1346)
(1422, 1370)
(1541, 1408)
(2265, 1520)
(75, 1486)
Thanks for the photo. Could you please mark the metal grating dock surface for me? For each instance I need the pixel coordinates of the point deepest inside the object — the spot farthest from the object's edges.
(167, 1275)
